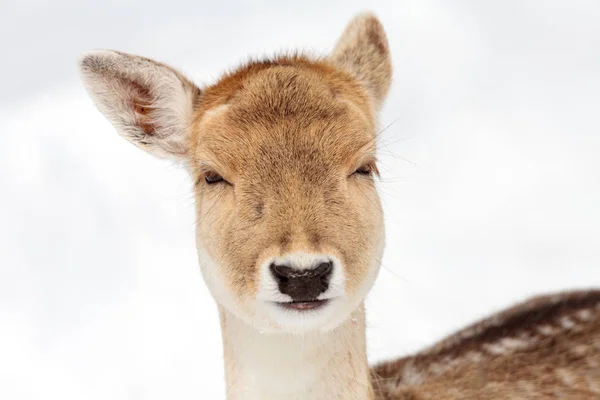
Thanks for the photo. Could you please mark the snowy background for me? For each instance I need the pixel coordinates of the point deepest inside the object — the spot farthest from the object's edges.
(491, 181)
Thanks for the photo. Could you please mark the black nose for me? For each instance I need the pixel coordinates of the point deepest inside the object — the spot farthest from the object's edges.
(302, 284)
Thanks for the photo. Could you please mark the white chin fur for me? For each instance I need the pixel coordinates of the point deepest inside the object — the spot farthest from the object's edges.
(324, 318)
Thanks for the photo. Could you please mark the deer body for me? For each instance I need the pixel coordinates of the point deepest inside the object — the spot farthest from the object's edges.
(289, 226)
(545, 348)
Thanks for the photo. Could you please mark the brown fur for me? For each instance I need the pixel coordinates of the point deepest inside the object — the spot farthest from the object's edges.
(547, 347)
(363, 48)
(293, 133)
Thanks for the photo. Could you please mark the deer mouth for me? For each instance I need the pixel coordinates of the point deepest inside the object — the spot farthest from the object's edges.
(304, 305)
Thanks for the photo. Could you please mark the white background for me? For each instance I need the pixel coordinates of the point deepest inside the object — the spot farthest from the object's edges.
(490, 182)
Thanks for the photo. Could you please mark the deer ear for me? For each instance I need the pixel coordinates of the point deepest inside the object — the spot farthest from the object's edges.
(149, 103)
(363, 51)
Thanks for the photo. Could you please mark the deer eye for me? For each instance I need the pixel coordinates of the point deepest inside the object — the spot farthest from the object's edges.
(366, 169)
(212, 177)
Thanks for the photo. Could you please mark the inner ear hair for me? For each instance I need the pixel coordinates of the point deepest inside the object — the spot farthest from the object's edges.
(149, 103)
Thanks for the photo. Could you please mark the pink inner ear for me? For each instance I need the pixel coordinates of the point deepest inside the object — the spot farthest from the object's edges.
(142, 119)
(141, 100)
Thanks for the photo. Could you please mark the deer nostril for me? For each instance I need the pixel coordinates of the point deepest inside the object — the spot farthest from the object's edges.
(324, 269)
(282, 272)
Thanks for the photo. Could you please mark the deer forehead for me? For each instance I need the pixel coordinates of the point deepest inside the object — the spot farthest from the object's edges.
(284, 115)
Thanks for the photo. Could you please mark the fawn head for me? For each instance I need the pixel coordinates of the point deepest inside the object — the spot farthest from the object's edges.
(289, 226)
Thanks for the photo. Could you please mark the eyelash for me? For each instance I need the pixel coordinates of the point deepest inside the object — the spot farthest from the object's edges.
(366, 170)
(212, 178)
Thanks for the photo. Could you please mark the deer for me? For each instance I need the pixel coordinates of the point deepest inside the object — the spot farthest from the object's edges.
(282, 158)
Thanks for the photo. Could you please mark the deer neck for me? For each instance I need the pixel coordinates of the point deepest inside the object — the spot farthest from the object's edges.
(319, 365)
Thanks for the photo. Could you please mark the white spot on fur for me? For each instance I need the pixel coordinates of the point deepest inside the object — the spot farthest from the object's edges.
(566, 377)
(410, 375)
(546, 330)
(496, 348)
(579, 350)
(437, 368)
(474, 356)
(567, 323)
(584, 315)
(514, 343)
